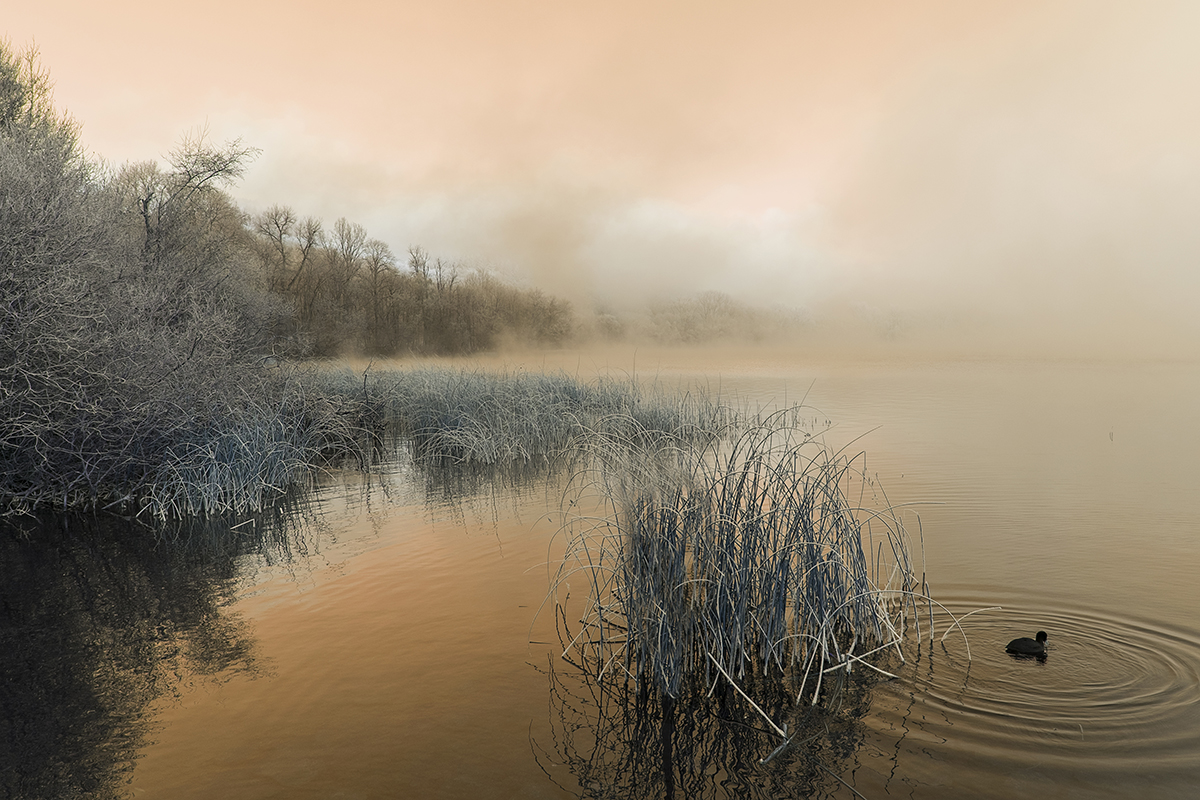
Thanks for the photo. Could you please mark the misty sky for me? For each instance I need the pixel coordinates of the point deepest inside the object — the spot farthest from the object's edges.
(1019, 166)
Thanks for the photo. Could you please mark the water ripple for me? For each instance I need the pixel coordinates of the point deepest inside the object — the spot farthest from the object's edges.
(1112, 691)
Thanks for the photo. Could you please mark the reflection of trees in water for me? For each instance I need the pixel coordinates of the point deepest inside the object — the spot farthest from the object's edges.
(99, 617)
(102, 616)
(622, 740)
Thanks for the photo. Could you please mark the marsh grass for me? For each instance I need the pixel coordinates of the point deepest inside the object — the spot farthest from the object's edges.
(252, 443)
(481, 418)
(747, 554)
(266, 448)
(236, 453)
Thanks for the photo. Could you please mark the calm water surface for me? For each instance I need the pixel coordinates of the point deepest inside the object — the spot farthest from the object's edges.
(400, 654)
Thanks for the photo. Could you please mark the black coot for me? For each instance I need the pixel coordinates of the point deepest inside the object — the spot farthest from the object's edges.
(1028, 647)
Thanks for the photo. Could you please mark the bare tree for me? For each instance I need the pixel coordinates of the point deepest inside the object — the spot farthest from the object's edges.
(310, 237)
(164, 198)
(277, 226)
(380, 265)
(348, 245)
(418, 262)
(26, 92)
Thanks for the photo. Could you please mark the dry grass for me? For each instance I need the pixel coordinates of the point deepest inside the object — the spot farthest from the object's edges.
(749, 553)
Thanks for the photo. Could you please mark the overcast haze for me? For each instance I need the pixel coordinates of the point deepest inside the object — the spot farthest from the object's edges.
(1023, 169)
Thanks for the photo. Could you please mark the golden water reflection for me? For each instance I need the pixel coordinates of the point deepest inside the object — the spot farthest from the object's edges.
(401, 642)
(399, 662)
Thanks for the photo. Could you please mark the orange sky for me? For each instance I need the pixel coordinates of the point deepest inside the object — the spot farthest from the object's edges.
(1027, 163)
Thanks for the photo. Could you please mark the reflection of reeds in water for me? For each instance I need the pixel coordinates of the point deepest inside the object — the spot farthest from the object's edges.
(620, 739)
(744, 556)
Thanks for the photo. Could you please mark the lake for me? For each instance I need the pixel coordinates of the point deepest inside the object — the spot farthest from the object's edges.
(394, 642)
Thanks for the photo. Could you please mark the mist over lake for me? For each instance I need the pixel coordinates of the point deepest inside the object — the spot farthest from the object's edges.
(619, 401)
(1008, 175)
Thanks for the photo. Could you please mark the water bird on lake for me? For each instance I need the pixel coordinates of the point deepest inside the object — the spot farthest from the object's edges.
(1028, 647)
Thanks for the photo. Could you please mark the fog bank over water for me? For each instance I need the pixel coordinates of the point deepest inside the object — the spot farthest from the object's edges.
(999, 176)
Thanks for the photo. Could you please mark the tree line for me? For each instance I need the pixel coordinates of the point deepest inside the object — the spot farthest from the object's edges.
(137, 302)
(349, 292)
(169, 243)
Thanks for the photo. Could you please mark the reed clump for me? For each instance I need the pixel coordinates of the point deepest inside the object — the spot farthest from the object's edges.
(244, 461)
(477, 417)
(749, 553)
(239, 444)
(234, 446)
